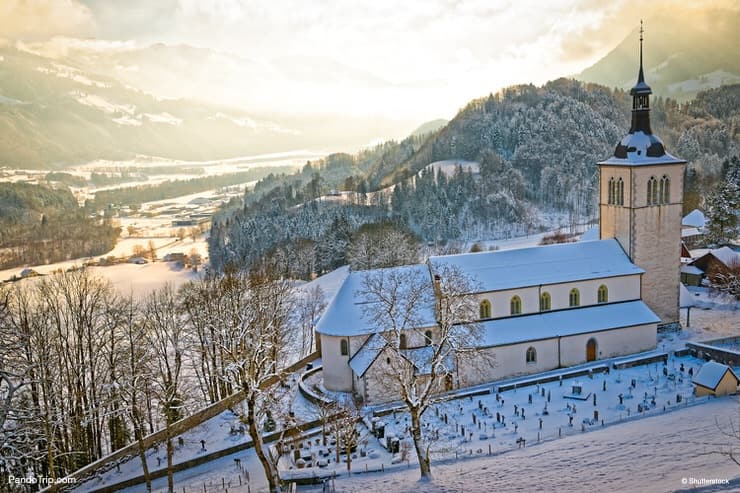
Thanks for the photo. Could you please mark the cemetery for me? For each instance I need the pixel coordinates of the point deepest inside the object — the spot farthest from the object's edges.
(490, 421)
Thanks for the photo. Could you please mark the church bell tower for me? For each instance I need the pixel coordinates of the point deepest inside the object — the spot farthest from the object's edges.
(641, 203)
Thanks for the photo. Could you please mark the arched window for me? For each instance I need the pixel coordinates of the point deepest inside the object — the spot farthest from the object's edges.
(344, 347)
(611, 191)
(428, 337)
(652, 191)
(531, 355)
(603, 295)
(516, 305)
(485, 309)
(620, 192)
(402, 341)
(665, 187)
(545, 301)
(575, 297)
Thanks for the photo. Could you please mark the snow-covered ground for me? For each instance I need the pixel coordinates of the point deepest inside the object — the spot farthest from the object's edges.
(713, 315)
(134, 279)
(501, 436)
(652, 454)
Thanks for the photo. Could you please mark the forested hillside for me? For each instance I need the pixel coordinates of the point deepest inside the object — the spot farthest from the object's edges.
(41, 225)
(537, 148)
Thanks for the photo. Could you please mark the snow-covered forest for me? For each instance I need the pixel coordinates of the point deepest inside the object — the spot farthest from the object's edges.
(537, 148)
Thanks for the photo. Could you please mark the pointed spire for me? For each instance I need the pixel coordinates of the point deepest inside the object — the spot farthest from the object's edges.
(640, 76)
(641, 87)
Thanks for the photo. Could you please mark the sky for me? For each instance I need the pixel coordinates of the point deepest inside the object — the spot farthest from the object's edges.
(422, 58)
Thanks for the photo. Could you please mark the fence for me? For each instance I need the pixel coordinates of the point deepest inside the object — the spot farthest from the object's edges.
(713, 350)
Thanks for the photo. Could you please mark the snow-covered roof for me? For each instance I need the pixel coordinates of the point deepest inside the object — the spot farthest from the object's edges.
(347, 314)
(550, 264)
(694, 219)
(363, 359)
(726, 255)
(421, 358)
(691, 269)
(711, 373)
(591, 234)
(637, 144)
(690, 231)
(685, 299)
(572, 321)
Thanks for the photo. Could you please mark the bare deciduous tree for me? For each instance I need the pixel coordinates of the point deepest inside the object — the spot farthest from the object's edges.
(401, 302)
(252, 338)
(309, 307)
(167, 337)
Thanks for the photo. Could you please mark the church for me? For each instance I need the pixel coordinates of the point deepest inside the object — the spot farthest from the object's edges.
(544, 307)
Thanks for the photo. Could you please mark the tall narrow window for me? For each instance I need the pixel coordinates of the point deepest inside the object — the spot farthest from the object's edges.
(516, 305)
(620, 192)
(603, 294)
(611, 191)
(545, 301)
(652, 191)
(402, 341)
(665, 188)
(531, 355)
(344, 347)
(575, 297)
(428, 338)
(485, 309)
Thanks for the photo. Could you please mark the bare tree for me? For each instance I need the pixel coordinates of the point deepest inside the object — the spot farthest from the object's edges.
(151, 250)
(167, 337)
(252, 337)
(309, 307)
(731, 429)
(344, 423)
(401, 302)
(135, 375)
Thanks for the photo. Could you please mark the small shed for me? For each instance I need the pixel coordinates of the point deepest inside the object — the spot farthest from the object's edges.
(691, 275)
(715, 379)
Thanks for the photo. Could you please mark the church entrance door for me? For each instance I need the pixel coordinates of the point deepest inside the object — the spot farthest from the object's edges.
(591, 350)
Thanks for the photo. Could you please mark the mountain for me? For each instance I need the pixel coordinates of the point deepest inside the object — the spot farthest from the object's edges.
(684, 52)
(52, 114)
(65, 108)
(430, 126)
(537, 148)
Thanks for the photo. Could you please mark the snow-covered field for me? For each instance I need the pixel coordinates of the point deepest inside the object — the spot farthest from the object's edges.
(136, 280)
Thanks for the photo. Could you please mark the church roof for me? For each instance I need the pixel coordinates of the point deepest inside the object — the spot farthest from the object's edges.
(568, 322)
(368, 353)
(641, 149)
(550, 264)
(349, 313)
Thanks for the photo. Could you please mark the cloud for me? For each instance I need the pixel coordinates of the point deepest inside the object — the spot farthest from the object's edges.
(37, 19)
